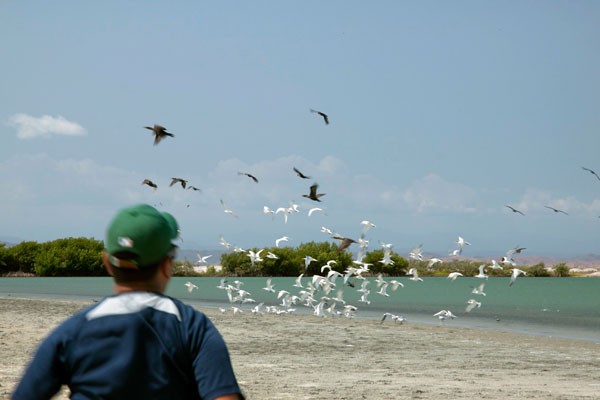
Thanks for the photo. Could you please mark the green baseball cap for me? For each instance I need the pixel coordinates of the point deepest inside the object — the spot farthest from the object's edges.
(140, 236)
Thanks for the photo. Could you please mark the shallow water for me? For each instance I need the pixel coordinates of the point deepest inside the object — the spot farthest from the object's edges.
(558, 307)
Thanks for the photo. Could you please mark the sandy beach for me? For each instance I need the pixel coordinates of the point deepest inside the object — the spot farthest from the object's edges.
(306, 357)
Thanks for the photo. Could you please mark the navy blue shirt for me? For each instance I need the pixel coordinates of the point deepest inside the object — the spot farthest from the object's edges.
(132, 345)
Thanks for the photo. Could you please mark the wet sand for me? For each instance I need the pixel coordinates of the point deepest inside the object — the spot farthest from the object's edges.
(306, 357)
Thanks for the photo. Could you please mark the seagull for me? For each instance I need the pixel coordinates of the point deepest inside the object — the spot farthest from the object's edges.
(454, 275)
(281, 239)
(202, 259)
(190, 286)
(150, 183)
(300, 174)
(227, 210)
(315, 209)
(515, 273)
(591, 172)
(249, 176)
(514, 210)
(322, 114)
(556, 210)
(313, 195)
(183, 182)
(159, 133)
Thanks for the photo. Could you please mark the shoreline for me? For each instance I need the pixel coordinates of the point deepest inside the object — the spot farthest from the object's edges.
(302, 356)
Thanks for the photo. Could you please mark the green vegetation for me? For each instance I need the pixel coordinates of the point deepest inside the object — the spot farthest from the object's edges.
(82, 257)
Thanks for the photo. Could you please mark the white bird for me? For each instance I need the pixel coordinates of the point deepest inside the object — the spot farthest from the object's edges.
(471, 304)
(281, 239)
(298, 282)
(307, 261)
(326, 230)
(396, 318)
(190, 286)
(328, 265)
(416, 254)
(224, 243)
(269, 287)
(462, 242)
(202, 259)
(495, 265)
(433, 261)
(481, 273)
(272, 255)
(367, 225)
(315, 209)
(415, 275)
(454, 275)
(456, 252)
(515, 273)
(222, 284)
(479, 290)
(227, 210)
(254, 256)
(443, 314)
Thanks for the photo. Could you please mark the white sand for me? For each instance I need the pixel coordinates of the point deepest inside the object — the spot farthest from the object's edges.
(305, 357)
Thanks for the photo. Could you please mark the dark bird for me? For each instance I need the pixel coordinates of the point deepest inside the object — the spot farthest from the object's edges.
(149, 183)
(556, 210)
(313, 195)
(249, 176)
(591, 172)
(194, 188)
(322, 114)
(344, 242)
(159, 133)
(514, 210)
(300, 174)
(183, 182)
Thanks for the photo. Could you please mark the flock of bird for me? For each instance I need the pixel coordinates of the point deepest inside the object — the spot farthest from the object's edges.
(315, 292)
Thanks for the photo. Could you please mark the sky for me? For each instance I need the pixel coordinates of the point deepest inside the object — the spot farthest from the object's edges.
(441, 114)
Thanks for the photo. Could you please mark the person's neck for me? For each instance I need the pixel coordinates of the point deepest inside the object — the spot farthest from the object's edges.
(124, 288)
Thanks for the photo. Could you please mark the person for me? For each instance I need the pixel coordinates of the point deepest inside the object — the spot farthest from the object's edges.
(137, 343)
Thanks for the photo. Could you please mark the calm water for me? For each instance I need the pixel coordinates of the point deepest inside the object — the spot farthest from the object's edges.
(559, 307)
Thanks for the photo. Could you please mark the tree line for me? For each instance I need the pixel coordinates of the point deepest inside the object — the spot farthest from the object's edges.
(82, 257)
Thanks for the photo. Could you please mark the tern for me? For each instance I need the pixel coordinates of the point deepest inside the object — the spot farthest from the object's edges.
(202, 259)
(433, 261)
(313, 195)
(307, 261)
(514, 210)
(269, 287)
(443, 314)
(272, 256)
(322, 114)
(479, 290)
(481, 273)
(281, 239)
(367, 225)
(190, 286)
(315, 209)
(150, 183)
(227, 210)
(454, 275)
(515, 273)
(415, 275)
(396, 318)
(471, 304)
(416, 253)
(159, 133)
(300, 174)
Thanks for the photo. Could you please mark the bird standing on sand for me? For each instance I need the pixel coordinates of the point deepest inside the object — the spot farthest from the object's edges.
(514, 210)
(159, 133)
(313, 195)
(150, 183)
(322, 114)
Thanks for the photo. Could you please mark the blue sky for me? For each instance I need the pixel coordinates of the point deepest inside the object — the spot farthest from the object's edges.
(441, 114)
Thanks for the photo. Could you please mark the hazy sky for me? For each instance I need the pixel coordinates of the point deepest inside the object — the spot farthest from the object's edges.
(441, 113)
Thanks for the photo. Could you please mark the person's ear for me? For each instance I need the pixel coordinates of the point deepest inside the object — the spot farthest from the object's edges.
(109, 268)
(166, 268)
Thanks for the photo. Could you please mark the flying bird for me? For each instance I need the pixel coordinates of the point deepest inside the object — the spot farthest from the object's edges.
(150, 183)
(514, 210)
(515, 273)
(300, 174)
(183, 182)
(344, 242)
(194, 188)
(249, 176)
(591, 172)
(159, 133)
(281, 239)
(227, 210)
(313, 195)
(556, 210)
(322, 114)
(190, 286)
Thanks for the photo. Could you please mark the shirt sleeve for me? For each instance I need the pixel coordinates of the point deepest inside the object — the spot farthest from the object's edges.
(43, 376)
(211, 363)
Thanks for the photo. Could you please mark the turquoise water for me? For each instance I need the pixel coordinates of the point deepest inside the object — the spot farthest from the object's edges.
(559, 307)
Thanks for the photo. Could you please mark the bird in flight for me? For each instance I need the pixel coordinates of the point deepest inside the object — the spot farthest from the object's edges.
(591, 172)
(149, 183)
(194, 188)
(556, 210)
(159, 133)
(344, 242)
(249, 176)
(322, 114)
(227, 210)
(514, 210)
(300, 174)
(313, 195)
(183, 182)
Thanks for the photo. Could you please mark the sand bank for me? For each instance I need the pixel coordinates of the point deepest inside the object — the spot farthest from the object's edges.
(305, 357)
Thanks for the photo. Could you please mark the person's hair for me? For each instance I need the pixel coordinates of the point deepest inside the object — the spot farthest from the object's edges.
(129, 275)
